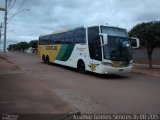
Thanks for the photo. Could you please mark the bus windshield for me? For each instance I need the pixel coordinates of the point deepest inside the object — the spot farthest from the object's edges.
(114, 31)
(118, 49)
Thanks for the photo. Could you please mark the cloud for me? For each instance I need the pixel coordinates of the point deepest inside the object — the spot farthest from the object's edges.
(47, 16)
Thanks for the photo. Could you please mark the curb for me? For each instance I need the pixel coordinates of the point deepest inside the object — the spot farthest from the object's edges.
(145, 73)
(138, 69)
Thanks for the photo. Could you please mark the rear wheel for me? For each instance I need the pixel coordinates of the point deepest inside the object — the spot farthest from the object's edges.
(47, 60)
(43, 59)
(81, 67)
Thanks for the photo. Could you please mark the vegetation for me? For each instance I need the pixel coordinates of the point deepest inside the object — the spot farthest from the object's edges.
(33, 44)
(22, 46)
(149, 35)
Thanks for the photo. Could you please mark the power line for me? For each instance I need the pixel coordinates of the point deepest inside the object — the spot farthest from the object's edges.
(10, 18)
(0, 34)
(9, 3)
(22, 3)
(11, 6)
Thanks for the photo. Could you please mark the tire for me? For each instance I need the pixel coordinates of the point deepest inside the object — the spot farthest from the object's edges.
(47, 60)
(43, 59)
(81, 67)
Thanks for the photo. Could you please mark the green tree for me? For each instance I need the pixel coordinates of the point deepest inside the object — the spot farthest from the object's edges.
(13, 47)
(149, 35)
(22, 46)
(33, 44)
(17, 47)
(10, 47)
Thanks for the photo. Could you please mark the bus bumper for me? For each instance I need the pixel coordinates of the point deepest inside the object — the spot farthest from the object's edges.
(112, 70)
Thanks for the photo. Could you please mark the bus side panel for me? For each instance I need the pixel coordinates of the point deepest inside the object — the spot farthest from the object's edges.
(65, 52)
(69, 54)
(72, 54)
(50, 50)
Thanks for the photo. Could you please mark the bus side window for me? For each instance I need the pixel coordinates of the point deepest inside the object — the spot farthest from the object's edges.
(47, 40)
(52, 38)
(59, 38)
(40, 41)
(80, 36)
(69, 37)
(94, 43)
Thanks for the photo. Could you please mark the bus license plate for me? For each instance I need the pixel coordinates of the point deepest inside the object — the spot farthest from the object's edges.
(120, 70)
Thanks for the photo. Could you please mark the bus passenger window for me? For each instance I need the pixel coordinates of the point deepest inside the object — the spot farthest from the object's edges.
(80, 36)
(69, 37)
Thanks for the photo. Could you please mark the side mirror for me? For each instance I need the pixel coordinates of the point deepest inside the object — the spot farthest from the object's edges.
(135, 42)
(105, 38)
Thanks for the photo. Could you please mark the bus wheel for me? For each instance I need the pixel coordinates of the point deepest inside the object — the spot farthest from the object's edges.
(43, 59)
(47, 60)
(81, 67)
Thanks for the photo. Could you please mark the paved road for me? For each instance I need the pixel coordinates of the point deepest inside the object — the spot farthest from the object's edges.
(90, 93)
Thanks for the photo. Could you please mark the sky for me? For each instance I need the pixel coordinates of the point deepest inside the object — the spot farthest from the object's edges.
(46, 16)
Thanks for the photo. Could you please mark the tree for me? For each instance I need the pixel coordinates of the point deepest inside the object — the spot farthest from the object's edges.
(13, 47)
(33, 44)
(22, 46)
(10, 47)
(149, 35)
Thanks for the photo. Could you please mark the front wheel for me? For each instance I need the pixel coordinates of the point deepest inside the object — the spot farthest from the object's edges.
(81, 67)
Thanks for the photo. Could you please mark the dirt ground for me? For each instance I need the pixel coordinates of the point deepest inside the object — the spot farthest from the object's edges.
(29, 86)
(21, 93)
(63, 89)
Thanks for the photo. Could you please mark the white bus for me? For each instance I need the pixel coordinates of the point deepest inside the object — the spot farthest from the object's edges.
(99, 49)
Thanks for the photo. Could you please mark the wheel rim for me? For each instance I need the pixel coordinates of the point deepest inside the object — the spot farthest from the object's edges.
(47, 60)
(81, 68)
(43, 58)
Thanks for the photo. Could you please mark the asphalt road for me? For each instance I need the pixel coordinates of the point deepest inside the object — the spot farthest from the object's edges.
(91, 93)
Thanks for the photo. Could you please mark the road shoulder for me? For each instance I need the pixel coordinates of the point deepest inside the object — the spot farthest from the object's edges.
(21, 93)
(144, 69)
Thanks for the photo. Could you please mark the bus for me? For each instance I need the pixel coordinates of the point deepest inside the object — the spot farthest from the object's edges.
(100, 49)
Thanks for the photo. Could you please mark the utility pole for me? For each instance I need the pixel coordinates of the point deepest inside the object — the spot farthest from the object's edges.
(5, 23)
(5, 27)
(0, 34)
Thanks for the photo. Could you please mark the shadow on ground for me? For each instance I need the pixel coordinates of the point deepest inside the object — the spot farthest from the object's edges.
(102, 76)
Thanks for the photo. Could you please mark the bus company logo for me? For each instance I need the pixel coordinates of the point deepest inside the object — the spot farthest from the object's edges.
(51, 47)
(81, 49)
(93, 66)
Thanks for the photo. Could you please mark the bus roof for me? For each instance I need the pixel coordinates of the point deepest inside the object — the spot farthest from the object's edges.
(61, 31)
(71, 29)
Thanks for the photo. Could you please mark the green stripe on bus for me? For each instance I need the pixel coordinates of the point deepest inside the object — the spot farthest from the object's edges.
(61, 51)
(65, 52)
